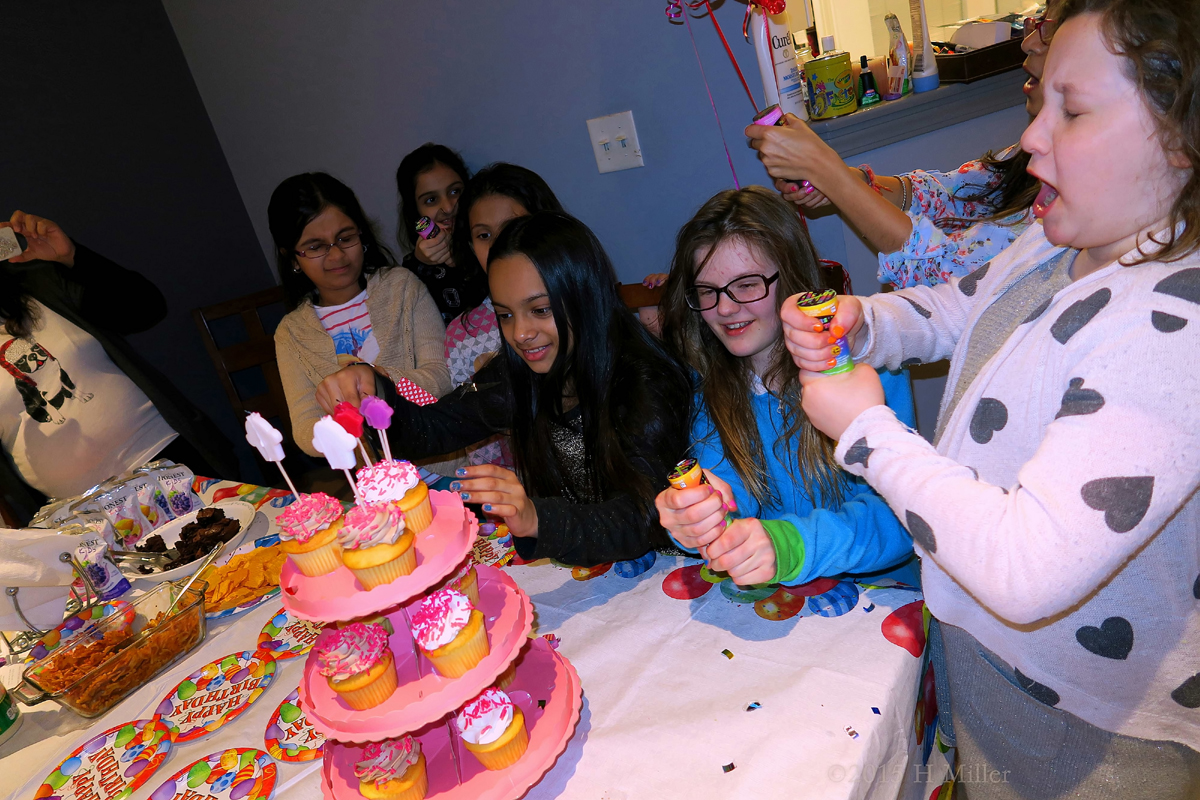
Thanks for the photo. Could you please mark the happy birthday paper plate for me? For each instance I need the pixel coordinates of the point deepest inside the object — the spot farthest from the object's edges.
(241, 773)
(289, 735)
(112, 764)
(287, 637)
(216, 694)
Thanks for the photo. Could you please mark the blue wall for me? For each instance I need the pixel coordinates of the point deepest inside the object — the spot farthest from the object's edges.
(351, 87)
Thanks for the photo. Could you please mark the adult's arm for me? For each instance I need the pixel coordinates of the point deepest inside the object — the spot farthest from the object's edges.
(108, 295)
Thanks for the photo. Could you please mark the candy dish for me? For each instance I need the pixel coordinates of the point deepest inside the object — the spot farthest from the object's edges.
(542, 675)
(338, 596)
(423, 695)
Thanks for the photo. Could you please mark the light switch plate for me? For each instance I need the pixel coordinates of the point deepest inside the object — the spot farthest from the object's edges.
(615, 142)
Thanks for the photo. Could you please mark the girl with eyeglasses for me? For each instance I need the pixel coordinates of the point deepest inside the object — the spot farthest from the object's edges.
(926, 226)
(598, 410)
(346, 304)
(804, 517)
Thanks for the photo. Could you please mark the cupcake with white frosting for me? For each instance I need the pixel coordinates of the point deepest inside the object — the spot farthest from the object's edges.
(450, 632)
(398, 482)
(492, 727)
(376, 545)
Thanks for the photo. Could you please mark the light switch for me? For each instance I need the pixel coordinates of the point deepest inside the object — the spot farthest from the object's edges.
(615, 142)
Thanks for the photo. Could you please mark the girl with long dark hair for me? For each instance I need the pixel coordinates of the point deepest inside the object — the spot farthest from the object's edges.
(430, 182)
(346, 304)
(597, 409)
(804, 516)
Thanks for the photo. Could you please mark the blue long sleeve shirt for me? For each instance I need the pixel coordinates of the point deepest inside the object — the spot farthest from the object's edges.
(861, 536)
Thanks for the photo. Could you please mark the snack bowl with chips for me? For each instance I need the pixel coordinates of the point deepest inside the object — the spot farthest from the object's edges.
(251, 575)
(100, 668)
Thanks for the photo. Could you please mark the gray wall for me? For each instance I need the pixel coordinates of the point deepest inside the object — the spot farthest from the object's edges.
(350, 88)
(103, 131)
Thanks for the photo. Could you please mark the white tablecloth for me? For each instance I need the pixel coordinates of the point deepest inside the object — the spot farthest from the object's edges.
(664, 709)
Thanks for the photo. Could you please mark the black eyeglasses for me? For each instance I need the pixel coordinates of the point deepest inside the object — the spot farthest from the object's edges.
(1044, 26)
(321, 249)
(746, 289)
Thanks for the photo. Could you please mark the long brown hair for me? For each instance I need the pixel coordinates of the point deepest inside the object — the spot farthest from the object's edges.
(1161, 39)
(769, 225)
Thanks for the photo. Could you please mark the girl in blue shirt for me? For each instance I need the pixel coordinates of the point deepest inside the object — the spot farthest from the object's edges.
(804, 517)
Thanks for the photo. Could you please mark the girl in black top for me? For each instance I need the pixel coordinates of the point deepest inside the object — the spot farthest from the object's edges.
(597, 409)
(430, 181)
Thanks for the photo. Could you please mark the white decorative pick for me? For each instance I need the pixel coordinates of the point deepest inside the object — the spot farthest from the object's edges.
(268, 441)
(332, 441)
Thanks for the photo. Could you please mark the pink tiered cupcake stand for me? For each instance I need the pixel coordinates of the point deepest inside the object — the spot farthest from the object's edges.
(544, 685)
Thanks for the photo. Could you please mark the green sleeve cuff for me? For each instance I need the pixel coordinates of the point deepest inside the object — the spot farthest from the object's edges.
(789, 549)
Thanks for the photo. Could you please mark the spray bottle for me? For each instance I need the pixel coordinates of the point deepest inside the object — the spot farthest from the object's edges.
(897, 62)
(782, 77)
(924, 67)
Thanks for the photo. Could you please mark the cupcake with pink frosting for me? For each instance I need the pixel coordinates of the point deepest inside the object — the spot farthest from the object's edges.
(357, 663)
(450, 632)
(493, 728)
(398, 482)
(375, 545)
(308, 533)
(393, 769)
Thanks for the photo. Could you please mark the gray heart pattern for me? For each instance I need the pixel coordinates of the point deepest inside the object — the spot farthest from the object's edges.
(1078, 314)
(1124, 501)
(921, 532)
(1078, 401)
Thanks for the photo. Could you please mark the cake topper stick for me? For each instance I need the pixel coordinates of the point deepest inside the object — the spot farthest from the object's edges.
(351, 421)
(379, 416)
(332, 441)
(268, 441)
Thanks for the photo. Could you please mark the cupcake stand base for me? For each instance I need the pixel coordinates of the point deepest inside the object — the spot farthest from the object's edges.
(454, 773)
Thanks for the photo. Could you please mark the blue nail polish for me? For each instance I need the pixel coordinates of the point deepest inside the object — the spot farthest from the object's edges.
(461, 472)
(465, 495)
(455, 486)
(487, 506)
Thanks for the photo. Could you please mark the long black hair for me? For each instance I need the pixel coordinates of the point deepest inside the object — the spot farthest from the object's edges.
(634, 398)
(1014, 189)
(298, 201)
(423, 159)
(508, 180)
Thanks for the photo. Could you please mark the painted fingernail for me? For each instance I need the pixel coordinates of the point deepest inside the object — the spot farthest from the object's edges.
(455, 486)
(838, 331)
(830, 363)
(461, 472)
(487, 506)
(793, 188)
(818, 327)
(806, 184)
(833, 340)
(467, 495)
(808, 189)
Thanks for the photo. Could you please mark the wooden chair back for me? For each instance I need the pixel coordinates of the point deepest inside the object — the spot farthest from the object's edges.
(636, 296)
(236, 361)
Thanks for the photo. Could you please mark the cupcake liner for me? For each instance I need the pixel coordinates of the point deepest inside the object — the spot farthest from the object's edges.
(322, 561)
(375, 692)
(505, 679)
(388, 571)
(412, 785)
(462, 654)
(510, 752)
(420, 516)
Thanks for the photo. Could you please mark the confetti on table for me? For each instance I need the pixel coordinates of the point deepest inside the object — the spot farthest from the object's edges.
(876, 710)
(869, 608)
(727, 654)
(541, 703)
(753, 706)
(552, 639)
(728, 767)
(853, 733)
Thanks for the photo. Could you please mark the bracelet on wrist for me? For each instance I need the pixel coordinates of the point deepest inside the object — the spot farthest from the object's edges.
(869, 177)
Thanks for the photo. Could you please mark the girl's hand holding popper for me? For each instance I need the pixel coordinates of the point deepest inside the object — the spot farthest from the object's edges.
(697, 514)
(810, 341)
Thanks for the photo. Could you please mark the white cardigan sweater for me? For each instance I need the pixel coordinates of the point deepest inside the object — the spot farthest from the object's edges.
(1058, 518)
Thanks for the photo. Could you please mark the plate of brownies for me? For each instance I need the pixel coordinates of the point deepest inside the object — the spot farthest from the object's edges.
(188, 539)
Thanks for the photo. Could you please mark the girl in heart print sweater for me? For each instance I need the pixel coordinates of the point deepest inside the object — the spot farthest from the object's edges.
(1070, 547)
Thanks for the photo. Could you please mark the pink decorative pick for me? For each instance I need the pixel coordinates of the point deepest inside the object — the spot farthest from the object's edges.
(332, 441)
(268, 441)
(379, 416)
